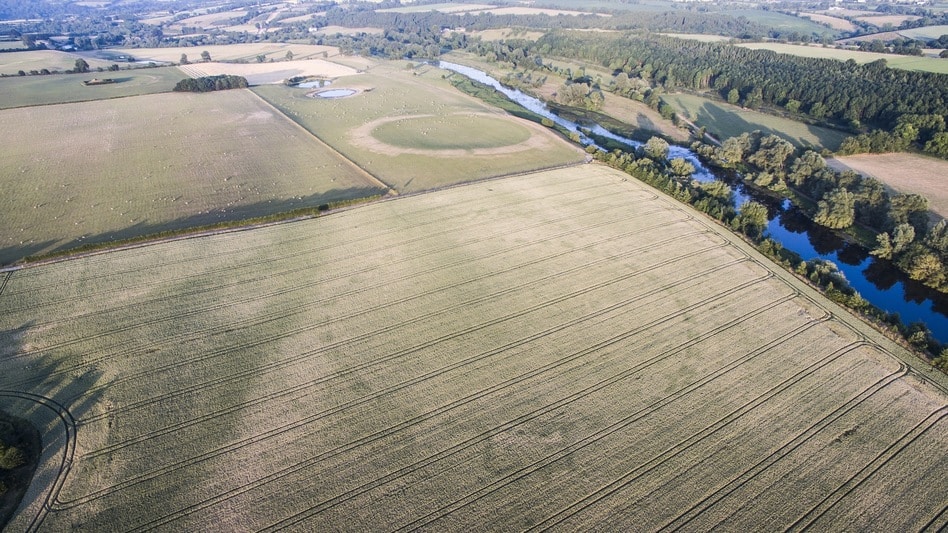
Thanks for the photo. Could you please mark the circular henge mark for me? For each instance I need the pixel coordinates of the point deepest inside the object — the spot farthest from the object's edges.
(334, 93)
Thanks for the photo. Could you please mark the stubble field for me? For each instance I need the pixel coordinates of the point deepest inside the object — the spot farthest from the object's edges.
(383, 129)
(904, 173)
(105, 170)
(562, 350)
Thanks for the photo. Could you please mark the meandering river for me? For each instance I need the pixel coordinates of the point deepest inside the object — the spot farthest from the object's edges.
(878, 281)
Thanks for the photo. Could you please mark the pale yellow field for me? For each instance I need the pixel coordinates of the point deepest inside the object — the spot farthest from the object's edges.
(212, 20)
(300, 18)
(507, 33)
(833, 22)
(565, 350)
(276, 72)
(905, 173)
(52, 60)
(332, 30)
(111, 169)
(700, 37)
(894, 20)
(231, 52)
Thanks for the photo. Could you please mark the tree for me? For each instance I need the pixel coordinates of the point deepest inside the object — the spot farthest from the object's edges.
(184, 59)
(261, 58)
(681, 167)
(751, 219)
(656, 148)
(289, 55)
(836, 210)
(733, 96)
(81, 66)
(205, 56)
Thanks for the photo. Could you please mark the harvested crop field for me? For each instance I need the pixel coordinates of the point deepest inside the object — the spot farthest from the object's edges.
(231, 52)
(54, 61)
(924, 64)
(106, 170)
(390, 99)
(833, 22)
(905, 173)
(276, 72)
(560, 350)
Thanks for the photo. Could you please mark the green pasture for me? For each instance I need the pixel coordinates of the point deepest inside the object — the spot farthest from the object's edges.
(392, 92)
(724, 120)
(925, 64)
(781, 21)
(20, 91)
(91, 172)
(565, 350)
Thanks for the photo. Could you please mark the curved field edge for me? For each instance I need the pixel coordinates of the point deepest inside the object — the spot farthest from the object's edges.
(496, 337)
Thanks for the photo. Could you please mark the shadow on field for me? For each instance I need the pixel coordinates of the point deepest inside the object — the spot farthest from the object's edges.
(715, 117)
(44, 395)
(230, 216)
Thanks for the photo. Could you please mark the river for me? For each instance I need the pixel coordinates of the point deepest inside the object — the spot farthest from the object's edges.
(878, 281)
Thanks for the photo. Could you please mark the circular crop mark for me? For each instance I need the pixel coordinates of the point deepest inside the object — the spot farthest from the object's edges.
(451, 132)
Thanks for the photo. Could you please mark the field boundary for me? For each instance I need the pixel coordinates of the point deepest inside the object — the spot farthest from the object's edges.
(371, 177)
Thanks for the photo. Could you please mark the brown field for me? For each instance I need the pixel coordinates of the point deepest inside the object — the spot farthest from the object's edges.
(905, 173)
(894, 20)
(564, 350)
(105, 170)
(833, 22)
(276, 72)
(231, 52)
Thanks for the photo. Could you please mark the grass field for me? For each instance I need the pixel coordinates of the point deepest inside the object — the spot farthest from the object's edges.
(13, 62)
(781, 21)
(926, 64)
(559, 350)
(105, 170)
(390, 93)
(700, 37)
(724, 120)
(925, 32)
(500, 34)
(905, 173)
(20, 91)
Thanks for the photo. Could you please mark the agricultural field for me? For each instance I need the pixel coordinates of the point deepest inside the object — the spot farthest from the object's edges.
(833, 22)
(925, 32)
(414, 131)
(443, 8)
(231, 52)
(700, 37)
(22, 91)
(53, 60)
(905, 173)
(563, 350)
(114, 169)
(725, 120)
(276, 72)
(882, 20)
(925, 64)
(501, 34)
(781, 21)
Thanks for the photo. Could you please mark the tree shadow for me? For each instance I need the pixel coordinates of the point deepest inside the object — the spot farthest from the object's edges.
(49, 394)
(223, 215)
(720, 120)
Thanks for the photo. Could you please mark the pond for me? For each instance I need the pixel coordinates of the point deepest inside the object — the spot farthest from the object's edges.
(315, 84)
(878, 281)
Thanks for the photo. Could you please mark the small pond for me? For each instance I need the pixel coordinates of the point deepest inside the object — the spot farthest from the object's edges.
(315, 84)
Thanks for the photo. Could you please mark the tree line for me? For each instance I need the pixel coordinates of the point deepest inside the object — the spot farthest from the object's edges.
(206, 84)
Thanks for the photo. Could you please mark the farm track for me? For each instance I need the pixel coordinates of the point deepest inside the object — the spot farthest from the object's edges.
(61, 451)
(564, 402)
(414, 381)
(558, 351)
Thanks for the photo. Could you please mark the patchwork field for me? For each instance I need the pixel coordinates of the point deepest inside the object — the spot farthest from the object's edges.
(926, 64)
(559, 350)
(106, 170)
(724, 120)
(276, 72)
(833, 22)
(21, 91)
(414, 131)
(905, 173)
